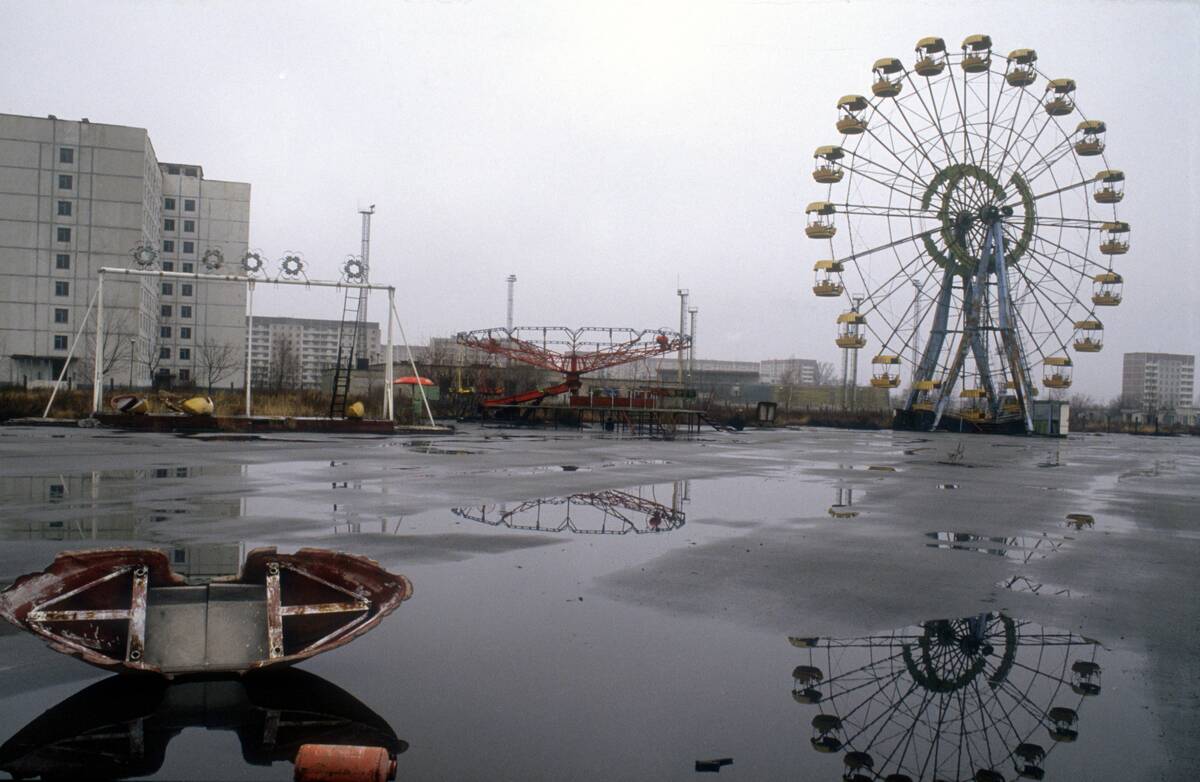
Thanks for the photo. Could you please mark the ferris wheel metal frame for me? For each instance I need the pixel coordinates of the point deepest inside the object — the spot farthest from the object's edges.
(961, 180)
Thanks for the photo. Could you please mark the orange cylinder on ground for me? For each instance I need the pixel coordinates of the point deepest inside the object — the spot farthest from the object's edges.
(334, 763)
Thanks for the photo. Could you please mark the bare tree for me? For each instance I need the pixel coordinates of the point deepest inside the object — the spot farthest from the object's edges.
(824, 375)
(787, 387)
(117, 334)
(217, 360)
(284, 368)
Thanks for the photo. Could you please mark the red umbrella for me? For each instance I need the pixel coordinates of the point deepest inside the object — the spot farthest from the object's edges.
(410, 380)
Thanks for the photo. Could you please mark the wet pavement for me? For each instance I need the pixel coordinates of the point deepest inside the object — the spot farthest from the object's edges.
(804, 603)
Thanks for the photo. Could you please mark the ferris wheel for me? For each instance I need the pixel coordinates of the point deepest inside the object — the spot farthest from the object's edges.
(983, 698)
(971, 221)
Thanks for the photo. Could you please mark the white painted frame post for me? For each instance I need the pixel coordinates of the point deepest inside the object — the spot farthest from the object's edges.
(98, 357)
(388, 380)
(249, 339)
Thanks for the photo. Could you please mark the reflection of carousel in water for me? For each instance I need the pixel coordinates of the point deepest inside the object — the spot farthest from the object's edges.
(983, 698)
(120, 727)
(608, 512)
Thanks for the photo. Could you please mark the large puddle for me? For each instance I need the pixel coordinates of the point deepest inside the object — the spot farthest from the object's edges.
(509, 663)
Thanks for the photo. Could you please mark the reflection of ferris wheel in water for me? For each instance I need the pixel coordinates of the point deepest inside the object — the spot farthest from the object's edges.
(966, 699)
(972, 224)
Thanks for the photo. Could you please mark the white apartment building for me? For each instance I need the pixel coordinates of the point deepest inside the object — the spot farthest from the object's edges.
(292, 352)
(802, 371)
(1159, 385)
(201, 324)
(76, 196)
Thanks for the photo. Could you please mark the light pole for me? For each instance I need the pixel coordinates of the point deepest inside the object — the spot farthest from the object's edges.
(132, 352)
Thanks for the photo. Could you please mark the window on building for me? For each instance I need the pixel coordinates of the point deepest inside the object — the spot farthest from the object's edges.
(64, 208)
(189, 248)
(172, 169)
(62, 288)
(63, 234)
(164, 332)
(168, 245)
(186, 289)
(168, 224)
(185, 375)
(62, 261)
(165, 310)
(185, 332)
(66, 154)
(168, 288)
(185, 354)
(189, 226)
(168, 266)
(185, 311)
(61, 315)
(65, 181)
(164, 352)
(189, 204)
(169, 203)
(188, 267)
(60, 341)
(189, 172)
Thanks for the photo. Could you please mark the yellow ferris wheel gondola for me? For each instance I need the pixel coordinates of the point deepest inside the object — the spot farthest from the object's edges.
(1108, 289)
(1092, 141)
(851, 121)
(828, 170)
(1060, 102)
(931, 56)
(887, 84)
(885, 371)
(1112, 186)
(1116, 238)
(977, 53)
(1058, 372)
(820, 225)
(1021, 72)
(1089, 336)
(827, 278)
(850, 334)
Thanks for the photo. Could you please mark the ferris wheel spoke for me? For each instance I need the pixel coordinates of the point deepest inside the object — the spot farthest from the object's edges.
(1038, 301)
(1057, 191)
(906, 193)
(916, 176)
(1014, 136)
(872, 210)
(1046, 163)
(896, 243)
(914, 140)
(1067, 250)
(935, 121)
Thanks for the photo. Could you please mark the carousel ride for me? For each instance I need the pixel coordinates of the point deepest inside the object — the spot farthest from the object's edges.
(984, 698)
(972, 224)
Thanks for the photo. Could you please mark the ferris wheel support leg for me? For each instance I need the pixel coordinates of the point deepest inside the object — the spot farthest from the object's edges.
(937, 336)
(1017, 364)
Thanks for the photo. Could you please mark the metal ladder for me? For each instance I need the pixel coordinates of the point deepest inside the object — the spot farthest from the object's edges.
(351, 327)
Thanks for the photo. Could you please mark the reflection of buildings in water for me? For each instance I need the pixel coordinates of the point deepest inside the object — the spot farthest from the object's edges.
(107, 505)
(121, 726)
(608, 512)
(843, 505)
(982, 698)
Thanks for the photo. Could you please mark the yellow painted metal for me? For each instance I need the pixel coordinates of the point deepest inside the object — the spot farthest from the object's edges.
(1091, 143)
(829, 266)
(928, 64)
(1058, 361)
(197, 405)
(927, 385)
(852, 103)
(851, 317)
(825, 283)
(1112, 189)
(888, 65)
(1023, 56)
(355, 410)
(1061, 104)
(977, 53)
(885, 87)
(972, 393)
(851, 341)
(885, 381)
(828, 289)
(931, 45)
(883, 374)
(1089, 336)
(1108, 289)
(829, 172)
(1058, 372)
(1113, 243)
(830, 152)
(820, 228)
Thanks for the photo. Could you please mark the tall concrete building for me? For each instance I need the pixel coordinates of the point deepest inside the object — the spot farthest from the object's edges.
(1158, 386)
(291, 352)
(77, 196)
(801, 371)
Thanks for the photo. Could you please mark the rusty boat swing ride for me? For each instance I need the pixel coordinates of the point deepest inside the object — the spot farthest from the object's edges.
(978, 233)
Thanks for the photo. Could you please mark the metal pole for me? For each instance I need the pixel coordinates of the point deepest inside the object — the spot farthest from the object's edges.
(512, 281)
(682, 293)
(388, 380)
(692, 343)
(132, 350)
(70, 354)
(249, 340)
(98, 370)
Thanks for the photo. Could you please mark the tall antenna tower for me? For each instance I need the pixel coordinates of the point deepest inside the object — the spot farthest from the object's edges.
(692, 344)
(512, 281)
(361, 347)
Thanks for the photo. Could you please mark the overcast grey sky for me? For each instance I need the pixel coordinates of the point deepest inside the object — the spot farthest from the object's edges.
(602, 151)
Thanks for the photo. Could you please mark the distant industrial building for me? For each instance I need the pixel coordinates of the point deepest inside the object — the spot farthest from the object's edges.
(778, 371)
(1158, 387)
(292, 352)
(77, 196)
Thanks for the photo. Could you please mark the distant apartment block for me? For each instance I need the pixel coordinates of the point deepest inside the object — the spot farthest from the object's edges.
(1158, 385)
(292, 352)
(778, 371)
(79, 195)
